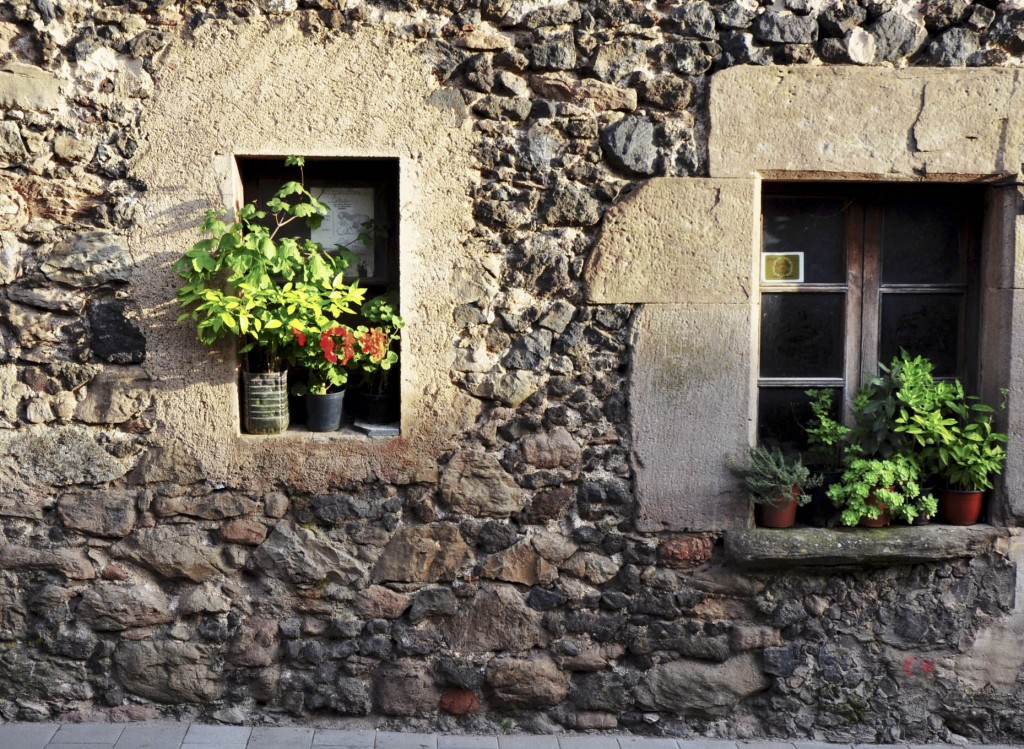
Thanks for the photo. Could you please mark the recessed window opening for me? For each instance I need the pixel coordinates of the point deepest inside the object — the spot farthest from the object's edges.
(361, 197)
(852, 274)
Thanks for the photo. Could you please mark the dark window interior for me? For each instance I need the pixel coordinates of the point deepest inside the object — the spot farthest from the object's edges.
(371, 181)
(885, 268)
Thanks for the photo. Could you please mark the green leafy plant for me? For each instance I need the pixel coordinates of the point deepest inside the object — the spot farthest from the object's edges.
(376, 355)
(875, 406)
(246, 280)
(869, 486)
(975, 453)
(827, 438)
(952, 433)
(770, 477)
(923, 415)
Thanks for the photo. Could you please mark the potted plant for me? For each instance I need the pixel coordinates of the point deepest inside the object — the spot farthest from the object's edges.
(775, 484)
(245, 280)
(970, 459)
(827, 440)
(873, 490)
(325, 356)
(376, 400)
(953, 438)
(875, 406)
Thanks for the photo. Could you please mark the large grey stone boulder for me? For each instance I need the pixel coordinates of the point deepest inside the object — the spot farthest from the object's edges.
(176, 552)
(89, 259)
(405, 687)
(897, 36)
(28, 87)
(496, 620)
(305, 558)
(519, 564)
(701, 689)
(101, 512)
(554, 449)
(12, 147)
(475, 484)
(65, 455)
(112, 607)
(629, 145)
(422, 554)
(215, 506)
(526, 683)
(255, 643)
(114, 396)
(786, 28)
(167, 671)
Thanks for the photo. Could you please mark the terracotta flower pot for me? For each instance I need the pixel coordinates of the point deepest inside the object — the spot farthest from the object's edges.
(960, 507)
(881, 521)
(778, 514)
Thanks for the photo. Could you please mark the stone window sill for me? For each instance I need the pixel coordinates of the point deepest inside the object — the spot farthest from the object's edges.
(841, 547)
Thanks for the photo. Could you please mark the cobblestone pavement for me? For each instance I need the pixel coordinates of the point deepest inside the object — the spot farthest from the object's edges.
(196, 736)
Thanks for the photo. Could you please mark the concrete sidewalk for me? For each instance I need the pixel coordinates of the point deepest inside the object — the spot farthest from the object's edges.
(196, 736)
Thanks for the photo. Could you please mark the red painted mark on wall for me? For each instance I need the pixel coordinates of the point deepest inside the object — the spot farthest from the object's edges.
(923, 666)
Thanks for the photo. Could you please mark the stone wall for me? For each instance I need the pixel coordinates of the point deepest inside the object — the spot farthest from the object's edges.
(487, 571)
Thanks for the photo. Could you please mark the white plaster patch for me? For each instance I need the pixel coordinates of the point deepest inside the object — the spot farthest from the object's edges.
(997, 657)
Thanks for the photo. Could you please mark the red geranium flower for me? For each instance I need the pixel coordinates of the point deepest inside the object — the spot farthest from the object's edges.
(327, 344)
(374, 344)
(299, 336)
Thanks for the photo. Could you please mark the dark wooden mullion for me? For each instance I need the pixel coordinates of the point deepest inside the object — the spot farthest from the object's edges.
(854, 303)
(871, 289)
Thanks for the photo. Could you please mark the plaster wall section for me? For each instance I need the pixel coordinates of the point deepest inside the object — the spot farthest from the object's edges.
(362, 96)
(893, 125)
(995, 659)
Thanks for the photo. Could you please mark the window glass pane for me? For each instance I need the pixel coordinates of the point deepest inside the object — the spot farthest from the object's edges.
(926, 324)
(813, 226)
(921, 244)
(783, 413)
(802, 335)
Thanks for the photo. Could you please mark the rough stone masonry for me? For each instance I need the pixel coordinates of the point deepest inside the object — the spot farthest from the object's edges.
(484, 571)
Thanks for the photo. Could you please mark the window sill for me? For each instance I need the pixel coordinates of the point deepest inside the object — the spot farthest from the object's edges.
(347, 432)
(842, 547)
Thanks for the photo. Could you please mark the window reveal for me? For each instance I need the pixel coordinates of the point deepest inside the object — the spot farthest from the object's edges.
(884, 268)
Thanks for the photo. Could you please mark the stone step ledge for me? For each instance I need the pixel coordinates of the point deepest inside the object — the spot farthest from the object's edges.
(839, 547)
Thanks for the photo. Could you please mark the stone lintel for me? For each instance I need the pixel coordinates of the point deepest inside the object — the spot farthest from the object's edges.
(675, 241)
(838, 547)
(843, 120)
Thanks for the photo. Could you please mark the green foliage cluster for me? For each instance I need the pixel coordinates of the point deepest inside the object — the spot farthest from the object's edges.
(245, 280)
(952, 433)
(769, 476)
(827, 438)
(871, 485)
(377, 342)
(908, 426)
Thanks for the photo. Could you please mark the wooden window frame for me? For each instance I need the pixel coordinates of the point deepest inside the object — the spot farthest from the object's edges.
(863, 287)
